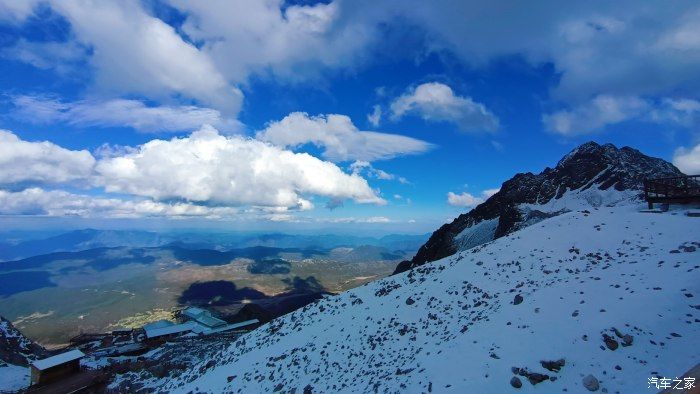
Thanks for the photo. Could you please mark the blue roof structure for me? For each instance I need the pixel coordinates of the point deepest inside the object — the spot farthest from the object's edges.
(158, 324)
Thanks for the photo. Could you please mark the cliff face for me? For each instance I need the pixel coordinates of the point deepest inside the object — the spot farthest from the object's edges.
(588, 168)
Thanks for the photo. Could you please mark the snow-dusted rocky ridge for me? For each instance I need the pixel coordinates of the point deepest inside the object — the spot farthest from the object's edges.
(16, 351)
(15, 348)
(591, 175)
(612, 291)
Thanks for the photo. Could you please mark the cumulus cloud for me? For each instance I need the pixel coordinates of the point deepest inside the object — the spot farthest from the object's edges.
(339, 138)
(39, 202)
(24, 162)
(120, 113)
(291, 42)
(614, 48)
(605, 110)
(437, 102)
(208, 167)
(468, 200)
(147, 56)
(688, 160)
(198, 175)
(463, 200)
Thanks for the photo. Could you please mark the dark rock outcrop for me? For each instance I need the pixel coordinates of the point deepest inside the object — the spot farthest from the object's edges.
(15, 348)
(589, 166)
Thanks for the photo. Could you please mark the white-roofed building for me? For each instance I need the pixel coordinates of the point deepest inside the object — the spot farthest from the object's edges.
(56, 367)
(171, 330)
(202, 316)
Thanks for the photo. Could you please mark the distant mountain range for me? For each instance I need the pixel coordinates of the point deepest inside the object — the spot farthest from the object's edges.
(591, 175)
(90, 239)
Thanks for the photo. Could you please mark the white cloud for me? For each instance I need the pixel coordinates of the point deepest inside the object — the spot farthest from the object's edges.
(136, 53)
(371, 219)
(463, 200)
(595, 115)
(605, 110)
(17, 10)
(684, 112)
(614, 48)
(490, 192)
(120, 113)
(40, 202)
(198, 175)
(208, 167)
(61, 56)
(40, 162)
(375, 117)
(617, 48)
(437, 102)
(364, 167)
(291, 42)
(688, 160)
(468, 200)
(339, 138)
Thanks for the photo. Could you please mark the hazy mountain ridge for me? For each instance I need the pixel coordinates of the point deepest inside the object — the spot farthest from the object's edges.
(79, 240)
(591, 174)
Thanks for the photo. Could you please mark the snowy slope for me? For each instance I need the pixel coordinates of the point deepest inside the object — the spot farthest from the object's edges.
(454, 326)
(13, 377)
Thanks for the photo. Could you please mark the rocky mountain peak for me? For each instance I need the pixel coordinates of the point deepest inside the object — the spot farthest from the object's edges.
(588, 169)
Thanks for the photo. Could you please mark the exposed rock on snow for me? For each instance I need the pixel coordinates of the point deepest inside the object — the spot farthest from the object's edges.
(517, 300)
(515, 382)
(591, 383)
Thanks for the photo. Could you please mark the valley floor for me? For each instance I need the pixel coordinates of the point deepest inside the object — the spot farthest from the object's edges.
(613, 292)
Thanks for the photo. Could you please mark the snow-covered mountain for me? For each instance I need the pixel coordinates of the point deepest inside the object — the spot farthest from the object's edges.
(591, 175)
(609, 292)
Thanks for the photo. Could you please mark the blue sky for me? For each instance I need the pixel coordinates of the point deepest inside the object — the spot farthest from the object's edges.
(356, 116)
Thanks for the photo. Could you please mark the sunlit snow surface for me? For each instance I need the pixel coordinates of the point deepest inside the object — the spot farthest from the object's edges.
(13, 377)
(451, 325)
